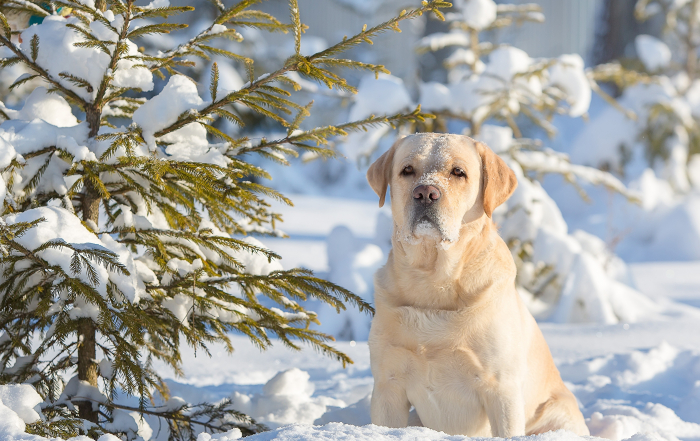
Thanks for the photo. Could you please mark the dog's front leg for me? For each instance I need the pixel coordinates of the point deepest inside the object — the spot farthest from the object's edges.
(390, 406)
(506, 411)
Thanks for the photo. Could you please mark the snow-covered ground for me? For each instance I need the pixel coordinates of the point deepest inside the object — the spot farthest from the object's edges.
(629, 378)
(639, 380)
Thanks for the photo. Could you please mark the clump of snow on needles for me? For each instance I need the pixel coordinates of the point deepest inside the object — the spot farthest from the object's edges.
(434, 95)
(19, 406)
(654, 53)
(503, 66)
(49, 107)
(44, 121)
(478, 14)
(57, 53)
(384, 95)
(21, 399)
(568, 74)
(502, 75)
(63, 226)
(255, 263)
(439, 40)
(178, 96)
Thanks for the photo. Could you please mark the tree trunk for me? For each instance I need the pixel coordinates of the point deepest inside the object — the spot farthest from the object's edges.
(91, 197)
(87, 329)
(617, 28)
(691, 52)
(91, 203)
(87, 369)
(93, 116)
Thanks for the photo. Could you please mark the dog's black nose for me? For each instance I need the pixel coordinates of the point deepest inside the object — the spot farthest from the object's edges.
(426, 194)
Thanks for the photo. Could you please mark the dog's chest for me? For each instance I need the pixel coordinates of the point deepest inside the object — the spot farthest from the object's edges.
(440, 368)
(432, 328)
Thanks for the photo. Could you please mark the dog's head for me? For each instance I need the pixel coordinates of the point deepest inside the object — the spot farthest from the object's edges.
(440, 182)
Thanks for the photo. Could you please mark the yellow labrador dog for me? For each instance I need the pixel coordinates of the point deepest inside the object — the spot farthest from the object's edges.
(451, 336)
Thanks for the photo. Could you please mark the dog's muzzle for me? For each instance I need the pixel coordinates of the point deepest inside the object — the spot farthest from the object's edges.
(424, 211)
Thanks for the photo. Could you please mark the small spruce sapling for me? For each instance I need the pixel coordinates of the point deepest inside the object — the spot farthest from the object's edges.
(124, 236)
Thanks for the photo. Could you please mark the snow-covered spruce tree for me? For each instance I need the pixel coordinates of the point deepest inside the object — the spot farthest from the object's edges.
(124, 236)
(496, 93)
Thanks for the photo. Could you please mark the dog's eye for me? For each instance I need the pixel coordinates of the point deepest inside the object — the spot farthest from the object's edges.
(408, 170)
(459, 172)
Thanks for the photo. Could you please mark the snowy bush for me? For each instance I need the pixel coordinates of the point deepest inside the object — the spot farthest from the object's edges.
(125, 206)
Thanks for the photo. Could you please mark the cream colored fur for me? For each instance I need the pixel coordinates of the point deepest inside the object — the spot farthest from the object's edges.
(451, 336)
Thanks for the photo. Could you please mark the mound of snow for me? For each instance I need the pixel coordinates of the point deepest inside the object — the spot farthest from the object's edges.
(226, 436)
(352, 263)
(339, 431)
(586, 283)
(641, 391)
(652, 392)
(285, 399)
(357, 414)
(677, 234)
(665, 225)
(564, 277)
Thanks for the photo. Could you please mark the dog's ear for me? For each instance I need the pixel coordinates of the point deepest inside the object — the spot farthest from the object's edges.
(498, 180)
(379, 173)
